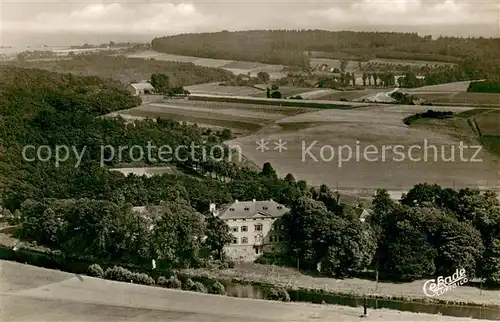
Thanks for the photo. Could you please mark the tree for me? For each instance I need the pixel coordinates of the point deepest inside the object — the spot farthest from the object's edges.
(489, 267)
(459, 245)
(289, 178)
(276, 94)
(263, 76)
(409, 255)
(217, 236)
(343, 65)
(268, 171)
(160, 82)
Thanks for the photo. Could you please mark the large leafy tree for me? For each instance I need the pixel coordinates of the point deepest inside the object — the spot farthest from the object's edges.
(217, 236)
(160, 82)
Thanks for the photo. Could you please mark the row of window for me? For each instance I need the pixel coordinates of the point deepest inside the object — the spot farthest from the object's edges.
(257, 239)
(257, 227)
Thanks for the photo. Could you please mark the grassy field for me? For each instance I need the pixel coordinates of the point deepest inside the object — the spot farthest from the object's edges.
(236, 67)
(382, 127)
(216, 89)
(286, 91)
(348, 95)
(240, 118)
(446, 88)
(128, 70)
(489, 128)
(408, 62)
(353, 169)
(489, 122)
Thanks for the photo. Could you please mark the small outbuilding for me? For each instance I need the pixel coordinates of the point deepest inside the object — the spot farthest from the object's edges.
(141, 88)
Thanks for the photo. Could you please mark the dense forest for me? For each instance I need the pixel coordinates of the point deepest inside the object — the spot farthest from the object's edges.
(127, 70)
(292, 47)
(84, 210)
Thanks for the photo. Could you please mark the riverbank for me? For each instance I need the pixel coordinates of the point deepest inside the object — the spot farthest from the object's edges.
(36, 294)
(292, 279)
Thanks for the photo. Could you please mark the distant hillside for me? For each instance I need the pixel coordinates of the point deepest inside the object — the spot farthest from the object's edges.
(287, 47)
(127, 70)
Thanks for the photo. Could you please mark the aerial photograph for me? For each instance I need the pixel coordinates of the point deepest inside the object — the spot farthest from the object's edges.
(249, 160)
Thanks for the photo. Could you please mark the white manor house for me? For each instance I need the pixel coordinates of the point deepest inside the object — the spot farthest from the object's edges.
(255, 226)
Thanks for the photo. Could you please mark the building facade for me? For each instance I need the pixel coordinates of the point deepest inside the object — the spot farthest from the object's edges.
(256, 227)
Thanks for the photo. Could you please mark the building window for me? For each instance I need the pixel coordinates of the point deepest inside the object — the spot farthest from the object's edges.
(257, 251)
(258, 239)
(235, 240)
(280, 207)
(272, 227)
(258, 227)
(246, 208)
(231, 209)
(234, 229)
(282, 227)
(244, 228)
(264, 208)
(244, 240)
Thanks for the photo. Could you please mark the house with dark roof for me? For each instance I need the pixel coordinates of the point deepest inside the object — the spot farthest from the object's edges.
(256, 227)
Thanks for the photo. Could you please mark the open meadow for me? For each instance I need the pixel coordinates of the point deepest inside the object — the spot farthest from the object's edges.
(240, 118)
(234, 66)
(217, 89)
(359, 148)
(466, 98)
(312, 137)
(446, 88)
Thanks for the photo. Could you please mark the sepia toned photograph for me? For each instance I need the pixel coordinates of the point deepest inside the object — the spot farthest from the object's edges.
(249, 161)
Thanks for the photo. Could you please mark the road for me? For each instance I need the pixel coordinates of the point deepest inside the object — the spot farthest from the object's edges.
(35, 294)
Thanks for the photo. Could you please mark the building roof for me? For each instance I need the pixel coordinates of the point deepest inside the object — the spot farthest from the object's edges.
(142, 86)
(253, 209)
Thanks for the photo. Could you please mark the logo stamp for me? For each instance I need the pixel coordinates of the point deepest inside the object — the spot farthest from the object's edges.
(435, 287)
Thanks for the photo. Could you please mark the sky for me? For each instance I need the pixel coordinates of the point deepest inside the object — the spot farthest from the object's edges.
(68, 22)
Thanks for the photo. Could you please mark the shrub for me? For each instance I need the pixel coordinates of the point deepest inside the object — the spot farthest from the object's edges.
(217, 288)
(95, 270)
(162, 281)
(118, 273)
(142, 278)
(172, 282)
(278, 294)
(227, 264)
(199, 287)
(188, 285)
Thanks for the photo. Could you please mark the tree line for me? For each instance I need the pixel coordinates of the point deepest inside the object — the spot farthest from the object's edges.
(287, 47)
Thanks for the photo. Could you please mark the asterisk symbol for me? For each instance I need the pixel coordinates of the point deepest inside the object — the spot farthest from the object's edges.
(280, 145)
(262, 145)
